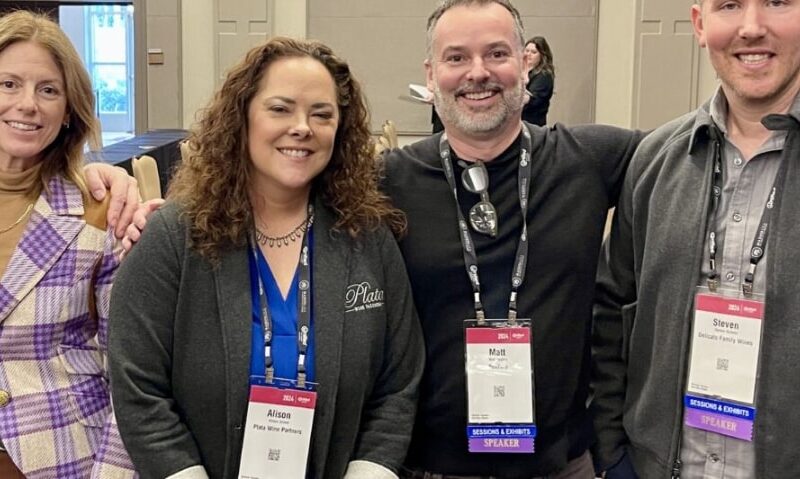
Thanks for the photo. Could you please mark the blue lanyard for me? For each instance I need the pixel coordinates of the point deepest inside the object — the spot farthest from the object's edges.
(303, 306)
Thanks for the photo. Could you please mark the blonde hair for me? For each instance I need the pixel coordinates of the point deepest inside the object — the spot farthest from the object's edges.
(64, 156)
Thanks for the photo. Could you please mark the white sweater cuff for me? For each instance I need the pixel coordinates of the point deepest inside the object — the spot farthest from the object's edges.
(194, 472)
(367, 470)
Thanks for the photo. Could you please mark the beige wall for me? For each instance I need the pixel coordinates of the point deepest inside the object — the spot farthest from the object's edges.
(235, 26)
(164, 89)
(198, 64)
(615, 49)
(290, 18)
(659, 73)
(649, 68)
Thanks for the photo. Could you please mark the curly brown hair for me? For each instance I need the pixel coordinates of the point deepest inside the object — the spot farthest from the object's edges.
(211, 184)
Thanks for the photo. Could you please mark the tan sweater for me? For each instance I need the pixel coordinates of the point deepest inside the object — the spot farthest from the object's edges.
(17, 192)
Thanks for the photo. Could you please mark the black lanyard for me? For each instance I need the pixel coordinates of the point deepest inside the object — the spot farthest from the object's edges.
(470, 255)
(303, 308)
(760, 240)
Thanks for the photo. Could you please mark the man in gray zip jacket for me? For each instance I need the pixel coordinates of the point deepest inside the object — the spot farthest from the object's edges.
(672, 235)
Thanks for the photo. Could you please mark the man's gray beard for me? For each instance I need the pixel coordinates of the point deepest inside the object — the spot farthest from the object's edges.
(482, 122)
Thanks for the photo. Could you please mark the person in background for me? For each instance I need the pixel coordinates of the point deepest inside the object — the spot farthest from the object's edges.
(695, 339)
(541, 79)
(57, 259)
(278, 198)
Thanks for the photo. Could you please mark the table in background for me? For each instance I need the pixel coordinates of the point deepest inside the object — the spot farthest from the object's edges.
(163, 145)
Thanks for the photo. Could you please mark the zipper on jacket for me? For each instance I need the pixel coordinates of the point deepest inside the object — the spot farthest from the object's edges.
(676, 469)
(676, 452)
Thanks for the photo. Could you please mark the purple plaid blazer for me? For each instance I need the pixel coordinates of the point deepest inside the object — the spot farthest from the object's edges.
(54, 299)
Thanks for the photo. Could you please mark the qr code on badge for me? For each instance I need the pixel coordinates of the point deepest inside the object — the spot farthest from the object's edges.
(274, 455)
(722, 364)
(499, 391)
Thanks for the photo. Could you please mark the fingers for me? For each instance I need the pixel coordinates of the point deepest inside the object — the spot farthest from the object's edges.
(145, 210)
(132, 235)
(129, 208)
(124, 199)
(139, 220)
(94, 180)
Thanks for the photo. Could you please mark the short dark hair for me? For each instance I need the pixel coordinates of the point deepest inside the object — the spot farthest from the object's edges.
(446, 5)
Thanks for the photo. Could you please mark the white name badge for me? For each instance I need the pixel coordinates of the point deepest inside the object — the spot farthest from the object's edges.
(726, 341)
(277, 433)
(499, 375)
(499, 389)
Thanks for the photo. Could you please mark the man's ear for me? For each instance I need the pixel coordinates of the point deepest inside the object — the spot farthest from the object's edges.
(697, 23)
(429, 74)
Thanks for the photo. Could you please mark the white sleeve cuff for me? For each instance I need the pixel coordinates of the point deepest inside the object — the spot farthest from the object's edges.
(368, 470)
(194, 472)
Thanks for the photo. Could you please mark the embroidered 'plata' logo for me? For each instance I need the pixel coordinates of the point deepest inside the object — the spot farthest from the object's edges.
(361, 296)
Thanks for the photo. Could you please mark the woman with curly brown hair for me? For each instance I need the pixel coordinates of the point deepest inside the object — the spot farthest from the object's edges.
(264, 326)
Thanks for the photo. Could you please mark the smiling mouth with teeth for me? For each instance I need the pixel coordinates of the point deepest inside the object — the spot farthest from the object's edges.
(22, 126)
(295, 153)
(478, 95)
(753, 58)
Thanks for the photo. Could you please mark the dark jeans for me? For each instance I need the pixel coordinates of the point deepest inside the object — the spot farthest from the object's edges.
(578, 468)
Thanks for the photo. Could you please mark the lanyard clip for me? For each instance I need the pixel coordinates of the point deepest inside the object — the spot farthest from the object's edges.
(301, 380)
(512, 316)
(512, 308)
(712, 282)
(747, 286)
(270, 374)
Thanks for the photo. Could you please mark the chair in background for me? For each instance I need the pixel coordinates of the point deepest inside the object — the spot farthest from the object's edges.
(390, 133)
(145, 170)
(186, 150)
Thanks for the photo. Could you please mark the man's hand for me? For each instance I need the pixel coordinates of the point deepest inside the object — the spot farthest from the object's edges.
(134, 230)
(124, 193)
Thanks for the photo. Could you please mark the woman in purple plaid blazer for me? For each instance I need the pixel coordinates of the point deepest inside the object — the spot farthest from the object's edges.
(57, 259)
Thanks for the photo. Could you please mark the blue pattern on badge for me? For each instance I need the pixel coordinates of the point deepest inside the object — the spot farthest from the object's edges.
(720, 407)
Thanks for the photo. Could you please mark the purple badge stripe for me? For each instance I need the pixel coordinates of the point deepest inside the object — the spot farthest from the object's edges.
(505, 445)
(720, 424)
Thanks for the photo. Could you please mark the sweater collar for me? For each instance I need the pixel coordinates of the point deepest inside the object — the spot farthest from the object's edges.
(714, 115)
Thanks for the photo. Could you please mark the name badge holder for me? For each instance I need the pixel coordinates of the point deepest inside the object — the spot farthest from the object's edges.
(724, 363)
(277, 435)
(280, 412)
(500, 386)
(728, 325)
(498, 362)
